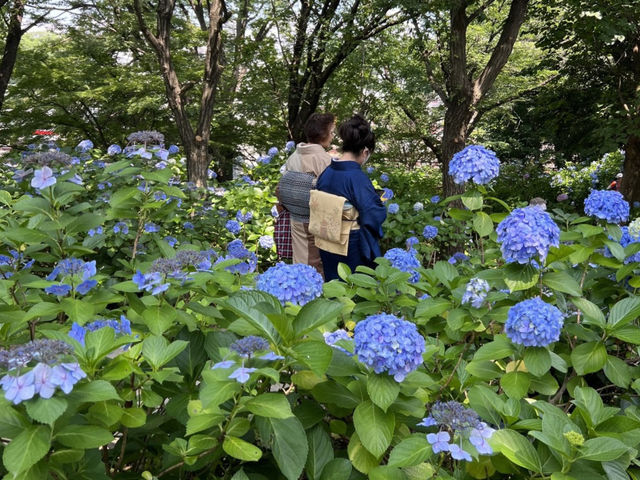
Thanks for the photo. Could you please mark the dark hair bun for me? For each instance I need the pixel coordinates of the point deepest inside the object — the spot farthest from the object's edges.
(356, 135)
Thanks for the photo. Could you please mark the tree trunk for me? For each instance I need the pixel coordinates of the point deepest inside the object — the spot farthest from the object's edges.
(198, 162)
(454, 138)
(10, 54)
(631, 178)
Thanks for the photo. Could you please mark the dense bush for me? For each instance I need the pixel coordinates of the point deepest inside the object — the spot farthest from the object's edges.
(136, 344)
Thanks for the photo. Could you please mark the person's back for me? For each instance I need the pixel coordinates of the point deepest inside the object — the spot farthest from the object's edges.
(345, 178)
(311, 159)
(615, 185)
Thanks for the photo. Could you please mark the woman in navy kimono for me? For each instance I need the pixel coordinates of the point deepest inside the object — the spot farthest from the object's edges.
(345, 177)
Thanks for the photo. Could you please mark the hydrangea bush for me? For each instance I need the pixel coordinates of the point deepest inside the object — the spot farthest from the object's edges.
(143, 339)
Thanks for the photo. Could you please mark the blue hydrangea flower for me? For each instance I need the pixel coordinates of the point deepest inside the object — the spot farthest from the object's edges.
(61, 290)
(404, 261)
(435, 199)
(430, 232)
(474, 163)
(20, 175)
(173, 149)
(42, 380)
(418, 207)
(84, 146)
(211, 174)
(476, 292)
(159, 196)
(626, 240)
(411, 241)
(273, 151)
(43, 178)
(233, 227)
(66, 375)
(384, 177)
(86, 286)
(437, 218)
(247, 346)
(243, 217)
(242, 374)
(224, 364)
(370, 170)
(151, 227)
(121, 227)
(290, 146)
(274, 212)
(527, 234)
(607, 205)
(266, 242)
(534, 323)
(634, 228)
(18, 389)
(386, 195)
(297, 283)
(95, 231)
(393, 208)
(479, 436)
(188, 225)
(457, 453)
(114, 150)
(171, 240)
(122, 327)
(330, 338)
(150, 282)
(236, 249)
(387, 343)
(439, 441)
(458, 257)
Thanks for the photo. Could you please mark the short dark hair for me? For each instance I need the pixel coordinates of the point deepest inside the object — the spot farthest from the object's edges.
(318, 127)
(356, 135)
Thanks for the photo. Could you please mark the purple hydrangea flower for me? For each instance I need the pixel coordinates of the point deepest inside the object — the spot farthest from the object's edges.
(534, 323)
(527, 234)
(474, 163)
(607, 205)
(404, 261)
(297, 283)
(387, 343)
(43, 178)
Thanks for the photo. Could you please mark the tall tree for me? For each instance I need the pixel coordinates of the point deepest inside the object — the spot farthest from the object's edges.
(460, 83)
(323, 33)
(194, 132)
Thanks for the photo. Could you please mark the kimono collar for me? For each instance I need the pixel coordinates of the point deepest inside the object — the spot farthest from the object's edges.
(345, 165)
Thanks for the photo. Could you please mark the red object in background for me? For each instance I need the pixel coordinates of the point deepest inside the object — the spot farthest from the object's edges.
(43, 132)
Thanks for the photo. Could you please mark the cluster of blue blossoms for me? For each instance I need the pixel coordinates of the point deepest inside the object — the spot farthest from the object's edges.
(527, 234)
(628, 237)
(430, 232)
(387, 343)
(405, 261)
(122, 327)
(476, 292)
(246, 348)
(607, 205)
(474, 163)
(296, 283)
(331, 339)
(237, 250)
(534, 323)
(178, 267)
(460, 422)
(233, 227)
(393, 208)
(13, 262)
(74, 274)
(49, 373)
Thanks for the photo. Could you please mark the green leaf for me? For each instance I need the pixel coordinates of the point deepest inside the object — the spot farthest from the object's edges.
(445, 272)
(337, 469)
(84, 436)
(27, 449)
(157, 351)
(616, 249)
(95, 391)
(290, 447)
(12, 423)
(482, 224)
(320, 452)
(374, 427)
(515, 384)
(43, 309)
(315, 355)
(602, 449)
(202, 422)
(618, 371)
(520, 277)
(472, 199)
(215, 392)
(238, 448)
(315, 314)
(630, 334)
(499, 348)
(624, 312)
(431, 307)
(590, 310)
(562, 282)
(247, 304)
(334, 393)
(516, 448)
(274, 405)
(133, 417)
(159, 318)
(537, 360)
(382, 389)
(46, 410)
(360, 457)
(385, 472)
(26, 235)
(589, 357)
(410, 451)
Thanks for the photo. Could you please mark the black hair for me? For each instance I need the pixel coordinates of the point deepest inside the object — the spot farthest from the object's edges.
(318, 127)
(356, 135)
